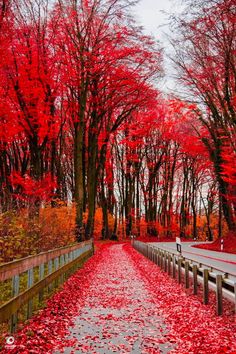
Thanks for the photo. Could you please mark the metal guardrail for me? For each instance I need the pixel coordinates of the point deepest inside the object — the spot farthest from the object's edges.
(181, 267)
(58, 263)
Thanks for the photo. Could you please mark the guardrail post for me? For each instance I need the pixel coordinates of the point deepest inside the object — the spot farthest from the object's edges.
(169, 261)
(186, 274)
(173, 266)
(205, 286)
(179, 269)
(219, 302)
(15, 292)
(194, 268)
(161, 256)
(30, 282)
(165, 262)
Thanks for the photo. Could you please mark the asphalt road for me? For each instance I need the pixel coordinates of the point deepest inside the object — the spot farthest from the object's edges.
(224, 262)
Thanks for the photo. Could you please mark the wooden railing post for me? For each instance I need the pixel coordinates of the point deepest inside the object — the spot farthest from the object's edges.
(169, 262)
(62, 262)
(165, 262)
(41, 276)
(15, 292)
(49, 272)
(30, 282)
(179, 269)
(205, 286)
(194, 268)
(173, 266)
(219, 300)
(186, 275)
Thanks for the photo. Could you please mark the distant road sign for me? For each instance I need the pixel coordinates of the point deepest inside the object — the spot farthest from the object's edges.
(178, 244)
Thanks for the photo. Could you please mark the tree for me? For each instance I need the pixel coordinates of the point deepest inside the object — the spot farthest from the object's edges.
(205, 56)
(107, 69)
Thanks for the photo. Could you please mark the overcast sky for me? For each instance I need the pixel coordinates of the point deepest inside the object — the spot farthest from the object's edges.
(153, 16)
(150, 14)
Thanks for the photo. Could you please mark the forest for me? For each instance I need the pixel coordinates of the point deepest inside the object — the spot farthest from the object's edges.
(90, 147)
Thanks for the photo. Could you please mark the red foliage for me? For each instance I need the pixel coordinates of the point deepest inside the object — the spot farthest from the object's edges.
(229, 243)
(164, 313)
(31, 189)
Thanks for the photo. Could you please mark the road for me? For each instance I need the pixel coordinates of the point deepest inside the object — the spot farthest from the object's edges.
(224, 262)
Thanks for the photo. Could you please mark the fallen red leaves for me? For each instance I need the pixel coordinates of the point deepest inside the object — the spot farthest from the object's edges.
(121, 302)
(193, 326)
(49, 328)
(229, 244)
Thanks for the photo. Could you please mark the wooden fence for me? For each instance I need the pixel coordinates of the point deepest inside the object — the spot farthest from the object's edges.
(182, 269)
(51, 267)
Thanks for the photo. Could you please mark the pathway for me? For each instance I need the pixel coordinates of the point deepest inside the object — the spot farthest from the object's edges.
(120, 315)
(120, 302)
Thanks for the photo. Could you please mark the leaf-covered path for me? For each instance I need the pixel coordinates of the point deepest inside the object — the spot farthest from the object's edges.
(120, 314)
(120, 302)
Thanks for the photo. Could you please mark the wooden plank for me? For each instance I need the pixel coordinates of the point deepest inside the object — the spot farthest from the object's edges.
(8, 270)
(13, 305)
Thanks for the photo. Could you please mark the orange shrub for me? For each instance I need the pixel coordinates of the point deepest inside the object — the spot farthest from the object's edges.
(21, 236)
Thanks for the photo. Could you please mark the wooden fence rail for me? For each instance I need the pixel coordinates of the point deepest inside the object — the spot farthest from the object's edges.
(181, 269)
(58, 263)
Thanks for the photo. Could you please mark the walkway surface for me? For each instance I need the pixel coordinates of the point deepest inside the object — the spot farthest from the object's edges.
(225, 262)
(120, 302)
(120, 315)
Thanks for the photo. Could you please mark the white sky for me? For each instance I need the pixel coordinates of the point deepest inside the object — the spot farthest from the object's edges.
(150, 15)
(153, 16)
